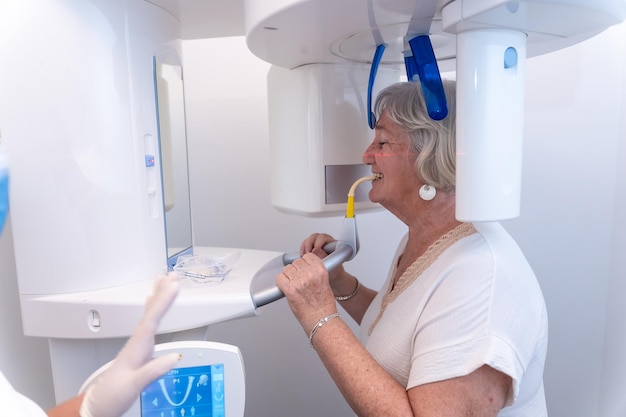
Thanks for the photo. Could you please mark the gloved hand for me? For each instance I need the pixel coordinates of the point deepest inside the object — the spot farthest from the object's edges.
(132, 370)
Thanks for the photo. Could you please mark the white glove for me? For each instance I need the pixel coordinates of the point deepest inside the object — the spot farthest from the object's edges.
(132, 370)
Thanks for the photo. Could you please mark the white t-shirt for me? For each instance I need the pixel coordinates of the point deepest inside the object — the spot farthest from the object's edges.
(471, 300)
(12, 403)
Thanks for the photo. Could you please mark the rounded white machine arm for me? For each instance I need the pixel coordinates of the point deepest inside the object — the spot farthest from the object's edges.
(486, 42)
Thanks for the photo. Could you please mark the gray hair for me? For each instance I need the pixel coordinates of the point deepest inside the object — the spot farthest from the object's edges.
(434, 141)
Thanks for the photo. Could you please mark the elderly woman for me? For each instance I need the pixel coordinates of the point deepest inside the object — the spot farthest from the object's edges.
(459, 327)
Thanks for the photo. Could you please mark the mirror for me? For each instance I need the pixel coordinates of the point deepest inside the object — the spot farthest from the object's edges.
(170, 104)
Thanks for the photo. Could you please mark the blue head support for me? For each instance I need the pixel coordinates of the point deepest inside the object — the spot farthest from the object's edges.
(378, 55)
(4, 189)
(423, 65)
(420, 64)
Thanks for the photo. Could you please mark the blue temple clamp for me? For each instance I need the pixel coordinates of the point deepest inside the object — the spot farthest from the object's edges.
(426, 65)
(371, 117)
(4, 188)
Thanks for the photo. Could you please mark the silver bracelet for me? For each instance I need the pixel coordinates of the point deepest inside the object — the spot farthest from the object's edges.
(352, 294)
(320, 324)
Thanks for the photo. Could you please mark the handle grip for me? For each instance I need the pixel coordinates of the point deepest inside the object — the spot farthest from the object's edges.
(338, 253)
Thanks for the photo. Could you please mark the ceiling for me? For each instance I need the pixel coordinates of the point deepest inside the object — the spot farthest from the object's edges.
(206, 18)
(211, 18)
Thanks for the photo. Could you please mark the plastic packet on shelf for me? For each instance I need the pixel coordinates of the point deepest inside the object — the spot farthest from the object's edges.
(206, 268)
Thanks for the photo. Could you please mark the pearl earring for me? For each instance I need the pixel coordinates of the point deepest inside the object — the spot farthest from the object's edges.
(427, 192)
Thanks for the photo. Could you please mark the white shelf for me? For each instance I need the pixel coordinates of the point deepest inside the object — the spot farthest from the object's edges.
(114, 312)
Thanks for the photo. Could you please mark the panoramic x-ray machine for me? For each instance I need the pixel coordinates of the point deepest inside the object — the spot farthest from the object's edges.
(85, 139)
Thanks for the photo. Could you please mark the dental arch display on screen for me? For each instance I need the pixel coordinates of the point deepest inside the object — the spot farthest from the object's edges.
(208, 381)
(190, 391)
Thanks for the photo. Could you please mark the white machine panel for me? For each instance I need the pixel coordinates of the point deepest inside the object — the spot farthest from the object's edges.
(318, 132)
(79, 125)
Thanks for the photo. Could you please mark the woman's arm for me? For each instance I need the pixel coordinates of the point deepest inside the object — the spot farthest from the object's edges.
(341, 282)
(344, 285)
(368, 387)
(371, 391)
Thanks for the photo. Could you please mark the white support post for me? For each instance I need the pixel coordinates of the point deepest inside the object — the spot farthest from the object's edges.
(490, 119)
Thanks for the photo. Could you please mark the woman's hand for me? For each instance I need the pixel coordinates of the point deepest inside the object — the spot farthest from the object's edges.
(338, 281)
(306, 287)
(315, 244)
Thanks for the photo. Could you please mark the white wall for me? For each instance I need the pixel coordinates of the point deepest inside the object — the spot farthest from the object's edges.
(570, 221)
(612, 399)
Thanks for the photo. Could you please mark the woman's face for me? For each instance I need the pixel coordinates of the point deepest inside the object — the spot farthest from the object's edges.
(391, 156)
